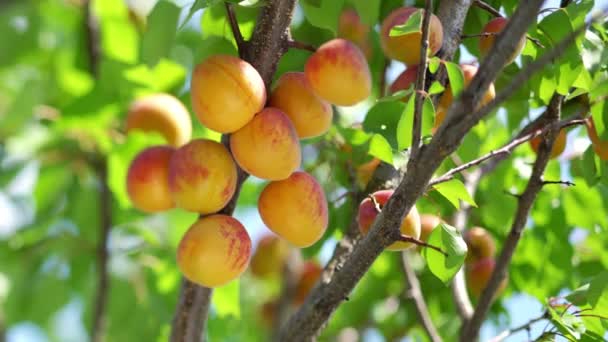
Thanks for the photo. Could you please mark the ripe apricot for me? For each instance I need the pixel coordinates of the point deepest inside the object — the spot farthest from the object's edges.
(410, 226)
(406, 48)
(214, 251)
(558, 146)
(162, 113)
(404, 81)
(480, 244)
(311, 116)
(493, 27)
(478, 275)
(311, 272)
(427, 224)
(445, 102)
(338, 73)
(147, 179)
(365, 171)
(599, 146)
(350, 27)
(226, 93)
(202, 176)
(268, 146)
(269, 257)
(295, 209)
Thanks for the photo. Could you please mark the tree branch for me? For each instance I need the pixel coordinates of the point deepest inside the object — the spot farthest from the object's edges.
(300, 45)
(484, 6)
(289, 284)
(317, 309)
(420, 79)
(241, 44)
(415, 293)
(535, 184)
(263, 51)
(503, 335)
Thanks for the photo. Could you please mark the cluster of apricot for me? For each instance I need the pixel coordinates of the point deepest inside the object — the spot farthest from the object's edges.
(200, 175)
(480, 263)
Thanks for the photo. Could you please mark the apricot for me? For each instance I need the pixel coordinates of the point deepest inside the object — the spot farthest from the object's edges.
(478, 275)
(365, 171)
(480, 244)
(268, 146)
(162, 113)
(311, 116)
(202, 176)
(404, 81)
(351, 27)
(269, 257)
(410, 226)
(311, 272)
(147, 179)
(338, 73)
(226, 93)
(427, 224)
(494, 27)
(214, 251)
(295, 209)
(445, 102)
(406, 48)
(558, 146)
(599, 146)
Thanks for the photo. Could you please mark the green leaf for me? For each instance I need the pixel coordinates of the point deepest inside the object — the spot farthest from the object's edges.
(590, 171)
(450, 241)
(434, 63)
(412, 25)
(196, 5)
(382, 117)
(226, 299)
(598, 288)
(380, 148)
(405, 125)
(454, 190)
(368, 10)
(456, 77)
(323, 14)
(579, 296)
(398, 95)
(436, 88)
(160, 33)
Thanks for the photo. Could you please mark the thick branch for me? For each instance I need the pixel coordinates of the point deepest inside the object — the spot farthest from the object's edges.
(524, 205)
(420, 79)
(192, 311)
(415, 293)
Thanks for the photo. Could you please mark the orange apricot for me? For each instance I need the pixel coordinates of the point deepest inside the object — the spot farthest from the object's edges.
(558, 146)
(404, 81)
(311, 272)
(202, 176)
(295, 209)
(147, 179)
(478, 275)
(493, 27)
(480, 244)
(599, 146)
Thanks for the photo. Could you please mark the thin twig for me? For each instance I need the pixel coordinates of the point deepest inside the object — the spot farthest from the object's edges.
(503, 335)
(415, 293)
(535, 41)
(420, 80)
(483, 34)
(236, 31)
(405, 238)
(487, 8)
(296, 44)
(375, 202)
(567, 183)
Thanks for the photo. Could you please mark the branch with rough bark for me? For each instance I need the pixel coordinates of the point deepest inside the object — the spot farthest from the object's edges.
(318, 308)
(263, 51)
(415, 293)
(524, 205)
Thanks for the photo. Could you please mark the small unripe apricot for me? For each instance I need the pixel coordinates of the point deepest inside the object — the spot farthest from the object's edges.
(214, 251)
(599, 146)
(338, 73)
(410, 226)
(427, 224)
(295, 209)
(268, 146)
(311, 116)
(226, 93)
(479, 274)
(147, 179)
(480, 244)
(162, 113)
(311, 272)
(494, 27)
(406, 48)
(558, 146)
(445, 102)
(404, 81)
(269, 257)
(202, 176)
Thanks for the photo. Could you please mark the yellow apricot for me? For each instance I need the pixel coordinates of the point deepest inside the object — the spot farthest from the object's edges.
(558, 146)
(268, 146)
(226, 93)
(311, 116)
(338, 73)
(269, 257)
(147, 179)
(214, 251)
(295, 209)
(494, 27)
(202, 176)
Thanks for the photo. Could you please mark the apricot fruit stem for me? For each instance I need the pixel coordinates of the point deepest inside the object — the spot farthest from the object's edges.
(405, 238)
(295, 44)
